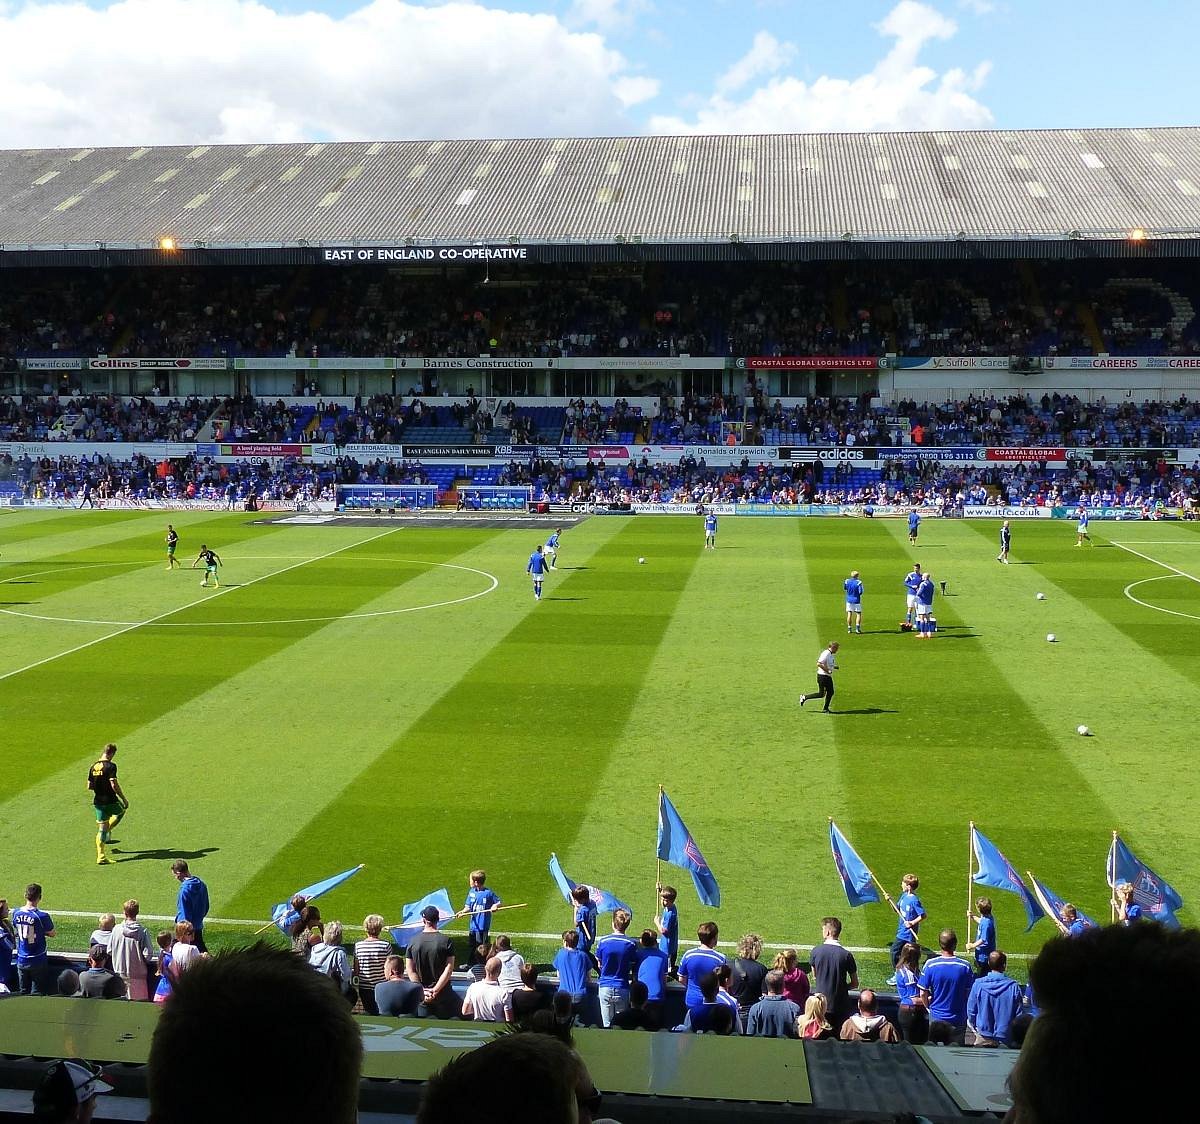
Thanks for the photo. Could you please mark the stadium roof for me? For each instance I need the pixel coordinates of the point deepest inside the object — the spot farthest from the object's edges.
(674, 191)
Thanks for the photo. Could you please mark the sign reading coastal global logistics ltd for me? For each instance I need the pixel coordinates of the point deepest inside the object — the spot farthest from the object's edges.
(812, 363)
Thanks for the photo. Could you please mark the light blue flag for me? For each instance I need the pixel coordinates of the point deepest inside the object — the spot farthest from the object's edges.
(996, 871)
(676, 845)
(1052, 903)
(856, 877)
(285, 917)
(410, 916)
(602, 899)
(1157, 897)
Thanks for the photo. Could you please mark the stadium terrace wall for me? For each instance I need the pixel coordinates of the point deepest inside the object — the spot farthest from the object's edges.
(320, 452)
(848, 247)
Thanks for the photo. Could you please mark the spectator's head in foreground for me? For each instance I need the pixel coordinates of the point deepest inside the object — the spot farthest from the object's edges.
(245, 1034)
(528, 1078)
(68, 1092)
(1082, 1039)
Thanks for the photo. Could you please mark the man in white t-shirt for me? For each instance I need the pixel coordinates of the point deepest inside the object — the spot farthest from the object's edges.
(487, 1001)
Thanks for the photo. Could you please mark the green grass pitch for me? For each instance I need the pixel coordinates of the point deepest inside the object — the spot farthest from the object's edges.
(364, 695)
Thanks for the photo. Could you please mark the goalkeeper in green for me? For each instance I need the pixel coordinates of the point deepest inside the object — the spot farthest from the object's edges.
(109, 802)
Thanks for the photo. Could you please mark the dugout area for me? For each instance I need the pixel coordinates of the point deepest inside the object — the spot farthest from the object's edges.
(665, 1078)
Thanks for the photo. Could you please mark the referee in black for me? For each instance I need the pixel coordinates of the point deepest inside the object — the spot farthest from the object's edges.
(826, 666)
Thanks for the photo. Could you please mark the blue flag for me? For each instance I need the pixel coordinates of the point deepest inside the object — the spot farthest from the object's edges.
(676, 845)
(996, 871)
(602, 899)
(856, 878)
(285, 916)
(1052, 903)
(1157, 897)
(410, 916)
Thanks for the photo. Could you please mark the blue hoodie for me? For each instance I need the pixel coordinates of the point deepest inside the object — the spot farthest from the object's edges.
(994, 1002)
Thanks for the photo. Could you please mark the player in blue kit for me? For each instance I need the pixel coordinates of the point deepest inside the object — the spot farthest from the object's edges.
(854, 594)
(914, 524)
(925, 607)
(537, 570)
(551, 548)
(710, 531)
(912, 582)
(1081, 530)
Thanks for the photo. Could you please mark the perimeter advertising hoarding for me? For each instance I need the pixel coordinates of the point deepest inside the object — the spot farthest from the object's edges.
(104, 363)
(812, 363)
(982, 511)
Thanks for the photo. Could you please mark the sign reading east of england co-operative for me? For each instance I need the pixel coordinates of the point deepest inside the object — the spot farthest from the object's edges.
(424, 255)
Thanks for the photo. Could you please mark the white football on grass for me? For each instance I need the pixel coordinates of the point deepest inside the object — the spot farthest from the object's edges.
(1041, 597)
(641, 561)
(1050, 637)
(1083, 731)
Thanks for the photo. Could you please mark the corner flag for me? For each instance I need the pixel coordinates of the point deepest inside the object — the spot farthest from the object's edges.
(996, 871)
(676, 846)
(603, 900)
(856, 878)
(1157, 897)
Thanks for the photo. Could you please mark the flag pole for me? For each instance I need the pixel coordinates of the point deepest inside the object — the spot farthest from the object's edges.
(658, 865)
(1112, 881)
(1051, 913)
(970, 863)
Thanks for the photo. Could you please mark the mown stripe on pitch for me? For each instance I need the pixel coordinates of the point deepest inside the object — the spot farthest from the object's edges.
(119, 685)
(1125, 671)
(501, 766)
(223, 775)
(132, 561)
(716, 722)
(931, 735)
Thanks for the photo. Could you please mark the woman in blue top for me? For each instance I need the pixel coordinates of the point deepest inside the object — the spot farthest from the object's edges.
(913, 1018)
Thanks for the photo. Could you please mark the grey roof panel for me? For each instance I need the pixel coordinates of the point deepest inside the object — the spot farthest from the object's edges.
(786, 187)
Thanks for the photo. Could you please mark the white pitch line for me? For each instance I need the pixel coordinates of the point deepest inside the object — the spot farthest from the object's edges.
(189, 605)
(1164, 565)
(245, 923)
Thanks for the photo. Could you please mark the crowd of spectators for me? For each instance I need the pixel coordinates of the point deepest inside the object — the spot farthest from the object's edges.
(907, 308)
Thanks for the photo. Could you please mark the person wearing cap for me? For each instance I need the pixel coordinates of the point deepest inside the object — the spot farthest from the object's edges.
(430, 963)
(68, 1092)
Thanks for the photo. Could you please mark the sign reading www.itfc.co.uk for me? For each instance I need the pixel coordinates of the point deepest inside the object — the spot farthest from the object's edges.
(995, 511)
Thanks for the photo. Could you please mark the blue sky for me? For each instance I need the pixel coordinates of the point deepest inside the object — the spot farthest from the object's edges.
(187, 71)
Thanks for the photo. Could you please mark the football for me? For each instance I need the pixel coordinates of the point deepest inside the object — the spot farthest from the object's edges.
(641, 561)
(1083, 731)
(1050, 638)
(1041, 597)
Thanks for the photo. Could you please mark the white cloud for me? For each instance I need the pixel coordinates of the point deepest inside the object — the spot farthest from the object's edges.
(978, 7)
(635, 89)
(767, 55)
(897, 93)
(235, 71)
(607, 15)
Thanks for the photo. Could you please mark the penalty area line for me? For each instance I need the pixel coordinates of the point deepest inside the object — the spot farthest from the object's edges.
(1156, 562)
(190, 605)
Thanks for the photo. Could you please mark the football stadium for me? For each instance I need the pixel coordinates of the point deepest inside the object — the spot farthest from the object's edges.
(807, 523)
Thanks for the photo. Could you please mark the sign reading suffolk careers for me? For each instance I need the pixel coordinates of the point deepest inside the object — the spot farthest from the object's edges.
(421, 255)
